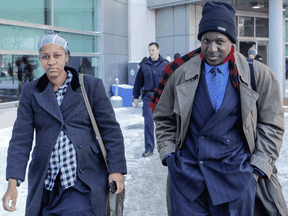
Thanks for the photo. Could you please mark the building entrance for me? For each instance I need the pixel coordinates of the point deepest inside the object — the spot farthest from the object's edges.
(260, 46)
(244, 46)
(263, 51)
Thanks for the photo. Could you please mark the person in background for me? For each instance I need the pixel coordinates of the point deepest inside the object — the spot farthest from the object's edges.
(147, 79)
(10, 72)
(86, 67)
(286, 69)
(218, 136)
(259, 58)
(67, 173)
(252, 53)
(27, 69)
(177, 55)
(143, 60)
(19, 76)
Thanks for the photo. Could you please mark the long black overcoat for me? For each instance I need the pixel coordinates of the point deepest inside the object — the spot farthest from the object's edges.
(38, 109)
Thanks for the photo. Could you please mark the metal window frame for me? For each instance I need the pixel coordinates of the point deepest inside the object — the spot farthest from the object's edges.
(255, 39)
(52, 28)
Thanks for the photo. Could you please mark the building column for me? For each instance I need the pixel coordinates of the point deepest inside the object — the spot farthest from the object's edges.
(276, 44)
(141, 29)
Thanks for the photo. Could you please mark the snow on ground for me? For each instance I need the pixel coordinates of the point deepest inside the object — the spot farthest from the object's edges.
(146, 179)
(144, 183)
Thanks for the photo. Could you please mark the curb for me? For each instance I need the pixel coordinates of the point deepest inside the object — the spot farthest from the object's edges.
(8, 105)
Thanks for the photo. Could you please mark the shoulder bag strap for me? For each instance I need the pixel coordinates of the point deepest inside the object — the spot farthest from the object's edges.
(93, 121)
(252, 76)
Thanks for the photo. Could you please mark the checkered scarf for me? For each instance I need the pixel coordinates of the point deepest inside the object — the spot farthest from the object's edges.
(170, 68)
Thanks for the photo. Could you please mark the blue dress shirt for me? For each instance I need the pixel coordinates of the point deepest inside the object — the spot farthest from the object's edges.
(223, 74)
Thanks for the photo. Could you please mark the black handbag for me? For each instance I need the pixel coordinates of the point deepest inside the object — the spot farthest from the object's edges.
(114, 202)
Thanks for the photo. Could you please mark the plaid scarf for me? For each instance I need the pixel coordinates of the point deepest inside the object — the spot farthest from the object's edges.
(170, 68)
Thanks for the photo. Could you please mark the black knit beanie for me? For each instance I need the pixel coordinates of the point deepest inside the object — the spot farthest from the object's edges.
(219, 17)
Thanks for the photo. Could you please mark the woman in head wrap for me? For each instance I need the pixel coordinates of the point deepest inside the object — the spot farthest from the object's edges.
(67, 173)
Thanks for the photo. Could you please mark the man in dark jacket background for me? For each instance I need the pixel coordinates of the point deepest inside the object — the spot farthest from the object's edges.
(148, 78)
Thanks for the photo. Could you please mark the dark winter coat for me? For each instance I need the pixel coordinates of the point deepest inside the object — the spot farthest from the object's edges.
(263, 130)
(38, 109)
(149, 76)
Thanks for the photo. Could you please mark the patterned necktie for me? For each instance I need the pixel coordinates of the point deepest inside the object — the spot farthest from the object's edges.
(213, 86)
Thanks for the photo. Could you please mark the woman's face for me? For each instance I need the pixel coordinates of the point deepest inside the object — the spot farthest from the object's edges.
(53, 59)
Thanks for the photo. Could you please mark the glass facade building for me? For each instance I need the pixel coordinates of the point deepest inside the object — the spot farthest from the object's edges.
(22, 23)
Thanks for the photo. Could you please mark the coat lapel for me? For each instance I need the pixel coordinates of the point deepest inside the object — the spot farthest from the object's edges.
(46, 97)
(248, 96)
(70, 99)
(47, 100)
(248, 99)
(186, 91)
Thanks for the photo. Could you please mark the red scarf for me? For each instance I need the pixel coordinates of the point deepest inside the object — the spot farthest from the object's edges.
(170, 68)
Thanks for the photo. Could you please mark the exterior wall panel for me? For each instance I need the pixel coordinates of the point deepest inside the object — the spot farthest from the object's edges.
(180, 20)
(115, 42)
(164, 22)
(166, 45)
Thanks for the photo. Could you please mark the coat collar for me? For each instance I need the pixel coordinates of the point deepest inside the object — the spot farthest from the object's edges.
(194, 67)
(160, 60)
(44, 81)
(242, 68)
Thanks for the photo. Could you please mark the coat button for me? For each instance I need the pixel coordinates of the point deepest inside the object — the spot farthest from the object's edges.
(202, 137)
(227, 140)
(81, 171)
(201, 162)
(79, 146)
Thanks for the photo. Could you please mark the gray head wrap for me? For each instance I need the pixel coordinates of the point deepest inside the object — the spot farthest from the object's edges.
(53, 38)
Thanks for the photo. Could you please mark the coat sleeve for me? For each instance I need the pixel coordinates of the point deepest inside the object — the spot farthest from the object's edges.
(139, 82)
(165, 120)
(22, 138)
(270, 125)
(109, 129)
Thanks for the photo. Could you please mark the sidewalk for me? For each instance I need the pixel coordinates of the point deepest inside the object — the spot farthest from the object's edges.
(146, 179)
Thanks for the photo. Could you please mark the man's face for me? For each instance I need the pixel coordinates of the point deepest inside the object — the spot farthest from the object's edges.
(153, 52)
(215, 47)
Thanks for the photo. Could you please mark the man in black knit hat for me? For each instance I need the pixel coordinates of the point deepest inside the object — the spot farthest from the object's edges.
(219, 137)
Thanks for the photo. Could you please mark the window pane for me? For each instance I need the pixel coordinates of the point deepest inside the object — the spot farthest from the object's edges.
(33, 12)
(81, 43)
(19, 38)
(75, 14)
(286, 30)
(236, 20)
(85, 65)
(286, 13)
(262, 27)
(246, 26)
(9, 83)
(286, 50)
(286, 67)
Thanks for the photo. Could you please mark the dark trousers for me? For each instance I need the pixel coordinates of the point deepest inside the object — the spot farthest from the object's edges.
(73, 201)
(148, 124)
(203, 206)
